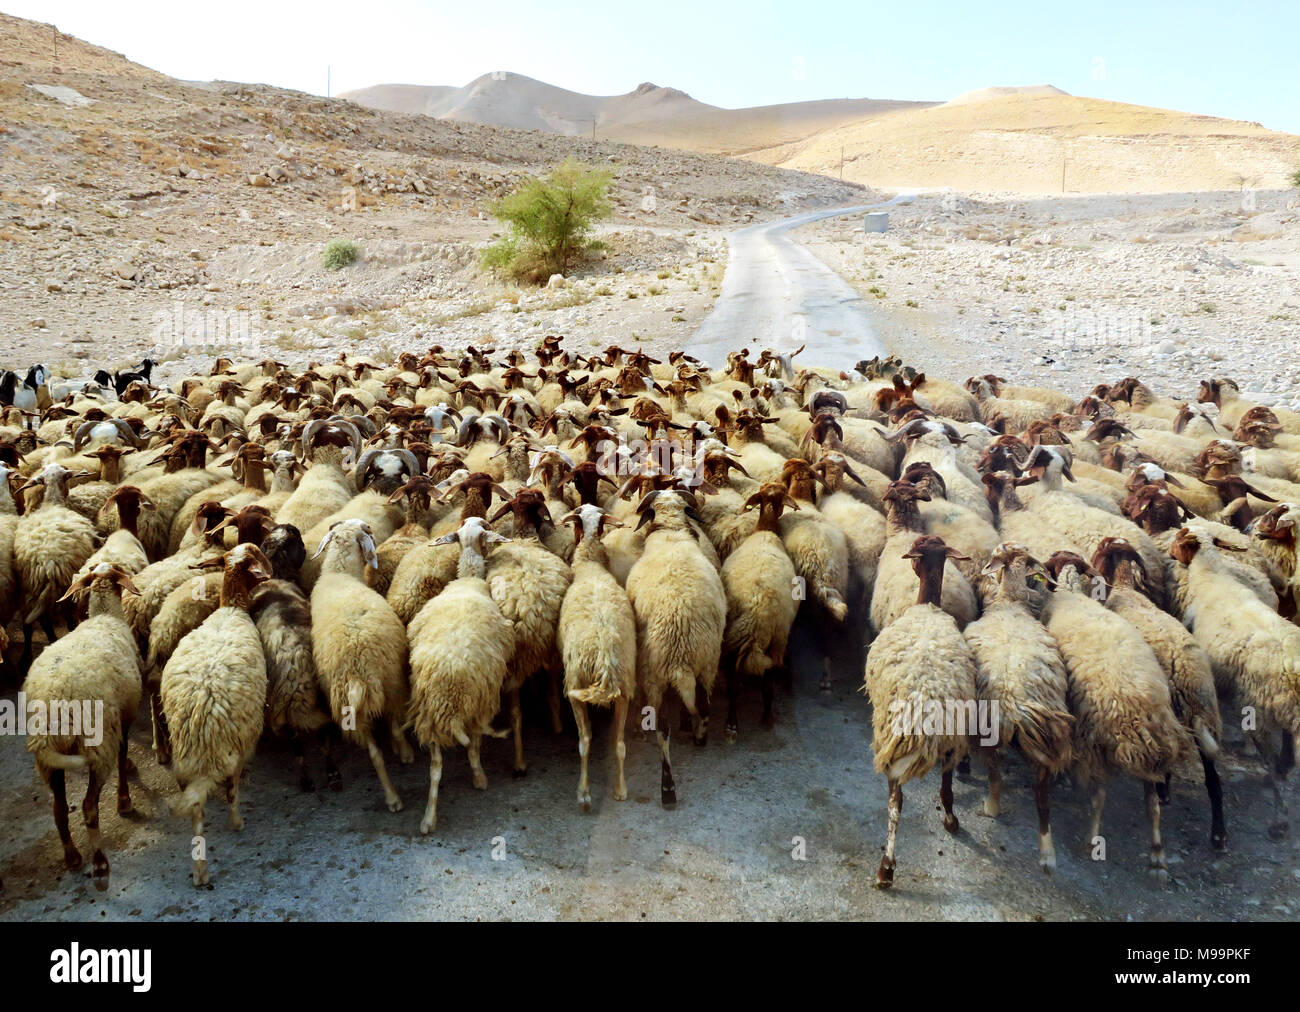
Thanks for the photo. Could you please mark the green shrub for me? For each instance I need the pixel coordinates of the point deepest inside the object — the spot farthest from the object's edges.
(339, 253)
(549, 222)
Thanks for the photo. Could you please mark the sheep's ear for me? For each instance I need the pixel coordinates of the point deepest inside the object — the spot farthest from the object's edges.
(492, 537)
(77, 587)
(789, 502)
(1227, 545)
(751, 502)
(957, 556)
(448, 539)
(368, 551)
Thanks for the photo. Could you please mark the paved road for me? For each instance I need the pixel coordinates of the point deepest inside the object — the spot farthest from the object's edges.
(778, 295)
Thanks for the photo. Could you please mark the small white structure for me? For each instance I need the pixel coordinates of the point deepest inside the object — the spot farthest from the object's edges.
(875, 221)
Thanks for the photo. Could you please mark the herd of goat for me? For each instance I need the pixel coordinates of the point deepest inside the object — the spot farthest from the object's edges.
(384, 554)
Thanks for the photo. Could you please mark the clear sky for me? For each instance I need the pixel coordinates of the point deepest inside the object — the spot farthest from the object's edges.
(1234, 59)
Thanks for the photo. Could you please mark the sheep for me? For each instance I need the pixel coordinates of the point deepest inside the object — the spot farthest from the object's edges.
(96, 662)
(596, 635)
(360, 648)
(122, 548)
(759, 581)
(1184, 661)
(919, 662)
(528, 584)
(1019, 669)
(213, 694)
(896, 581)
(1120, 699)
(324, 489)
(461, 646)
(50, 545)
(1276, 533)
(282, 614)
(1254, 647)
(418, 492)
(680, 609)
(818, 549)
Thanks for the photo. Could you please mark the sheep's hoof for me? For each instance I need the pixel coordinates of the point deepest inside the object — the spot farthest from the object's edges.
(72, 858)
(620, 794)
(201, 875)
(235, 822)
(1159, 872)
(405, 754)
(702, 741)
(1279, 830)
(306, 784)
(767, 722)
(584, 802)
(480, 780)
(1219, 840)
(394, 803)
(730, 733)
(668, 797)
(963, 766)
(335, 780)
(427, 826)
(124, 806)
(100, 874)
(163, 756)
(991, 808)
(951, 824)
(885, 874)
(519, 771)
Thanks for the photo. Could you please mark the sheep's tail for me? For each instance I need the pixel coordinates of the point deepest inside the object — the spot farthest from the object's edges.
(832, 600)
(457, 731)
(356, 693)
(1043, 733)
(600, 693)
(194, 797)
(52, 759)
(1205, 739)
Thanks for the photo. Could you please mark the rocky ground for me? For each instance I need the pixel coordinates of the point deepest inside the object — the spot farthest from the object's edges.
(1075, 291)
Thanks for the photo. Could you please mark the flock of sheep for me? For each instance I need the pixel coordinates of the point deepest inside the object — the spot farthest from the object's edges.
(383, 555)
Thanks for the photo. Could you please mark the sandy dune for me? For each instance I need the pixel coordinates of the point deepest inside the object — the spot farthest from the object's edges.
(1029, 140)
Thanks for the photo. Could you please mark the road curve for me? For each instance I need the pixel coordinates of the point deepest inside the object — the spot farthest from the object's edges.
(777, 295)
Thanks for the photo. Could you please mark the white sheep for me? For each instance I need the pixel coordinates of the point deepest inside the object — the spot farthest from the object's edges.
(214, 693)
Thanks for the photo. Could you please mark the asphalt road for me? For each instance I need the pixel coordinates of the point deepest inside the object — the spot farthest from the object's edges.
(777, 295)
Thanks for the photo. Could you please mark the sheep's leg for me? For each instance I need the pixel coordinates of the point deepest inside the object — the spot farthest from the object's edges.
(200, 863)
(430, 820)
(69, 615)
(825, 684)
(1162, 789)
(667, 788)
(1218, 831)
(583, 720)
(234, 820)
(950, 822)
(1098, 803)
(391, 799)
(402, 746)
(162, 744)
(300, 760)
(47, 626)
(993, 803)
(1286, 758)
(477, 775)
(25, 661)
(1158, 868)
(885, 873)
(124, 806)
(517, 729)
(1263, 740)
(732, 730)
(554, 698)
(58, 787)
(1042, 789)
(700, 717)
(768, 689)
(90, 812)
(327, 736)
(620, 746)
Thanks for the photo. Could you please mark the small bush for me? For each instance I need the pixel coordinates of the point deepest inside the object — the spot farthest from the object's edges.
(1295, 178)
(339, 253)
(550, 222)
